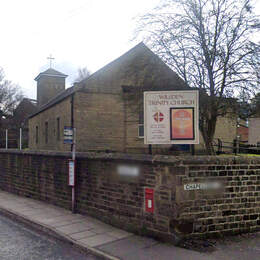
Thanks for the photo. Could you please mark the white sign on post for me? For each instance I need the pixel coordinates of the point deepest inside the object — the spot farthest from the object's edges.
(68, 135)
(71, 181)
(171, 117)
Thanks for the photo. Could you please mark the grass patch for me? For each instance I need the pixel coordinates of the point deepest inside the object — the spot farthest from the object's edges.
(248, 154)
(241, 154)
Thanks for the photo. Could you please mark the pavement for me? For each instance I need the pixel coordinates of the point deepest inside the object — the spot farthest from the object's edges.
(108, 242)
(88, 233)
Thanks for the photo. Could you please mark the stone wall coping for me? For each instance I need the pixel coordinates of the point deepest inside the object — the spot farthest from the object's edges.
(167, 159)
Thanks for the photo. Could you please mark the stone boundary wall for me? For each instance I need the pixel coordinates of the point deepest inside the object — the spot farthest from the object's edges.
(193, 196)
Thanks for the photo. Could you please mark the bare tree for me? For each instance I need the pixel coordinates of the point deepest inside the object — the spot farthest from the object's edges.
(208, 43)
(83, 73)
(10, 96)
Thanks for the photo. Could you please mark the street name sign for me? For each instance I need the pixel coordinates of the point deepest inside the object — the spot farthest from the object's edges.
(202, 186)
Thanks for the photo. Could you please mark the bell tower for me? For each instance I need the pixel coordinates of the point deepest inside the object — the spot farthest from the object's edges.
(50, 83)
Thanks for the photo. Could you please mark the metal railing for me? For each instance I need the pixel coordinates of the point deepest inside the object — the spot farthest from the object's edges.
(235, 147)
(13, 138)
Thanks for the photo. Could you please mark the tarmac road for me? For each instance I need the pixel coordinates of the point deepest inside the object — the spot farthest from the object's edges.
(19, 242)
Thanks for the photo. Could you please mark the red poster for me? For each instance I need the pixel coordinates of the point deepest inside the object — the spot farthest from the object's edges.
(182, 123)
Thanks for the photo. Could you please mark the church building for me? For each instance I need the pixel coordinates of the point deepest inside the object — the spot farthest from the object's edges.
(106, 108)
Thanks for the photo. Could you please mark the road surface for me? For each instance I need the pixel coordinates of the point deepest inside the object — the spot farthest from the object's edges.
(19, 242)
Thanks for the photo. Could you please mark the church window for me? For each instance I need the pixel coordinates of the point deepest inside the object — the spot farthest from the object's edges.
(141, 124)
(58, 129)
(36, 135)
(46, 132)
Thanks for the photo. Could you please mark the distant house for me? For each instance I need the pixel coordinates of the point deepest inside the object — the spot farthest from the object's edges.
(254, 131)
(242, 131)
(226, 131)
(13, 123)
(20, 116)
(106, 108)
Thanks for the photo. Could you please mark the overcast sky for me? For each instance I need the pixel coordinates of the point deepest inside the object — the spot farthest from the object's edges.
(77, 33)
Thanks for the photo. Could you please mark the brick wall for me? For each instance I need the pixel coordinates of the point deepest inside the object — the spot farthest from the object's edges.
(231, 207)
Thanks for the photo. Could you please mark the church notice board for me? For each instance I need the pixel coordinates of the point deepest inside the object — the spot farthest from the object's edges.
(171, 117)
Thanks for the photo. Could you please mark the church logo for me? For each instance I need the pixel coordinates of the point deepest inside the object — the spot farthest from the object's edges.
(158, 117)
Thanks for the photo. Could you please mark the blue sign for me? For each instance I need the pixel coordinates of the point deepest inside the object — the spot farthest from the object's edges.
(68, 135)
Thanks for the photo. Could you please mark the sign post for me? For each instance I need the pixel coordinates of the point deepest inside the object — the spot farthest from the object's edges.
(70, 138)
(74, 160)
(20, 139)
(6, 138)
(171, 117)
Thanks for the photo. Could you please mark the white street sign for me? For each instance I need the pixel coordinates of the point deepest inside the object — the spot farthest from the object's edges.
(71, 173)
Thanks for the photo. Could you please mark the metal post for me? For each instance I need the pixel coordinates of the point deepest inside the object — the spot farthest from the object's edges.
(237, 145)
(150, 149)
(192, 146)
(20, 138)
(74, 145)
(73, 158)
(6, 138)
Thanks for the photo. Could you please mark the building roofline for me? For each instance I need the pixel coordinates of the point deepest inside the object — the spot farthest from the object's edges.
(51, 73)
(80, 85)
(130, 88)
(139, 45)
(243, 125)
(57, 99)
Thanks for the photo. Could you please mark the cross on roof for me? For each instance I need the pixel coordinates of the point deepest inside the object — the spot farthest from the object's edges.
(50, 58)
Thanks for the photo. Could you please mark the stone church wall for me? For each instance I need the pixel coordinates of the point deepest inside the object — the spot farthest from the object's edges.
(105, 122)
(138, 67)
(62, 111)
(193, 196)
(99, 120)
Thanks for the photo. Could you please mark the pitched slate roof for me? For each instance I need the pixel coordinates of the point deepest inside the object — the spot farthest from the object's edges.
(51, 73)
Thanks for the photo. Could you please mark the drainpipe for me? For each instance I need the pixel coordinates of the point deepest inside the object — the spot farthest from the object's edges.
(125, 122)
(72, 115)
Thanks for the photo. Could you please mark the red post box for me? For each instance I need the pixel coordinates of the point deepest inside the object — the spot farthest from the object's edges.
(149, 200)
